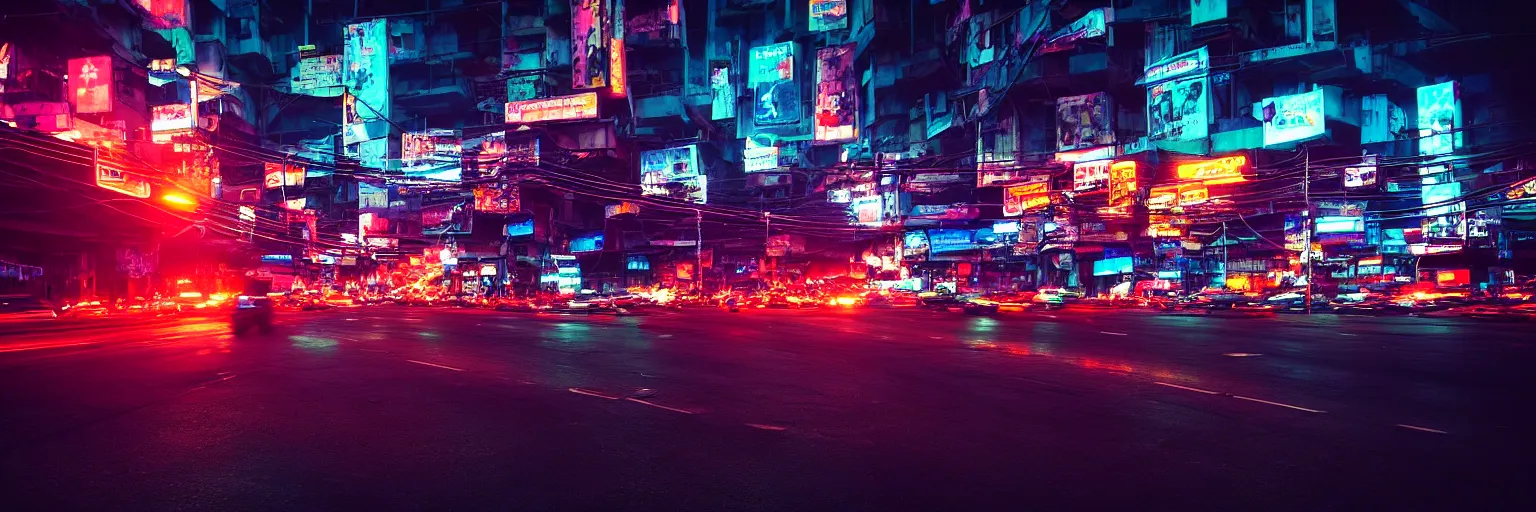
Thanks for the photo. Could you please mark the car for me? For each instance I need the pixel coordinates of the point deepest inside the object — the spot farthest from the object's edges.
(253, 308)
(940, 301)
(24, 308)
(588, 302)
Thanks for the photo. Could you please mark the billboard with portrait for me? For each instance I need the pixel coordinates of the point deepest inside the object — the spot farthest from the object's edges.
(674, 173)
(589, 43)
(723, 93)
(365, 75)
(1178, 110)
(90, 84)
(771, 77)
(836, 95)
(1292, 117)
(1439, 117)
(1084, 121)
(828, 15)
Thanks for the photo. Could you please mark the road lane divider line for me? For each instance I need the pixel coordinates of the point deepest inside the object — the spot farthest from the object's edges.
(1299, 408)
(658, 406)
(435, 365)
(1422, 429)
(1114, 333)
(580, 391)
(1187, 388)
(1241, 354)
(761, 426)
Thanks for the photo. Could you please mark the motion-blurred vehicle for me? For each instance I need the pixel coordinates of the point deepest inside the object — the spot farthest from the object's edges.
(23, 308)
(1295, 301)
(588, 301)
(1214, 303)
(253, 308)
(939, 301)
(86, 309)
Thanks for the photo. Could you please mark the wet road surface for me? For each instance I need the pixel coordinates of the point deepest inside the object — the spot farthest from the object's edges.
(389, 407)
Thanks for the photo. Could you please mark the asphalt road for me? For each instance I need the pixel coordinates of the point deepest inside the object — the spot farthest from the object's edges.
(394, 408)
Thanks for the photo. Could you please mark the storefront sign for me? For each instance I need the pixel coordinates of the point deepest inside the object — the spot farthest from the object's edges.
(1022, 198)
(1122, 184)
(1215, 172)
(1090, 175)
(558, 108)
(1084, 121)
(836, 95)
(1292, 118)
(1187, 63)
(90, 84)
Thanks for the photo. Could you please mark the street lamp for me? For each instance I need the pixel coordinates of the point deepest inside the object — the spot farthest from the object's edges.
(179, 200)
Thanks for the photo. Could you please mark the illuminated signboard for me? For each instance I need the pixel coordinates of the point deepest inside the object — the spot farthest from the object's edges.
(1089, 26)
(1206, 11)
(90, 84)
(1163, 197)
(1090, 175)
(1178, 110)
(278, 175)
(722, 92)
(1122, 184)
(914, 243)
(114, 177)
(1522, 190)
(558, 108)
(950, 240)
(432, 154)
(1193, 194)
(1448, 229)
(771, 77)
(1439, 116)
(1215, 172)
(1022, 198)
(836, 94)
(520, 228)
(867, 210)
(169, 118)
(498, 198)
(618, 83)
(828, 15)
(1340, 225)
(591, 21)
(1292, 118)
(317, 76)
(1084, 121)
(1187, 63)
(758, 158)
(161, 72)
(1363, 175)
(674, 173)
(840, 196)
(447, 219)
(1164, 230)
(589, 243)
(365, 75)
(1442, 198)
(164, 14)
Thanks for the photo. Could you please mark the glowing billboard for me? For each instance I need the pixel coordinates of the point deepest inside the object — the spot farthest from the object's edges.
(867, 210)
(836, 94)
(1163, 197)
(1091, 25)
(497, 198)
(759, 158)
(1440, 199)
(558, 108)
(1122, 185)
(1084, 121)
(90, 84)
(279, 175)
(1363, 175)
(1018, 199)
(447, 219)
(1192, 62)
(1293, 117)
(674, 173)
(597, 33)
(1090, 175)
(723, 93)
(164, 14)
(432, 154)
(1206, 11)
(1178, 110)
(771, 77)
(169, 118)
(1439, 117)
(365, 76)
(828, 15)
(1215, 172)
(317, 76)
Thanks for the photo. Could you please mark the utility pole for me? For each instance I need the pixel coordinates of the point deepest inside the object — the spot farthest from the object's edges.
(767, 234)
(698, 251)
(1306, 213)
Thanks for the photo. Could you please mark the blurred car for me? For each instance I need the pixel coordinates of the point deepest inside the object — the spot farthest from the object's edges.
(86, 309)
(23, 308)
(253, 307)
(941, 301)
(588, 302)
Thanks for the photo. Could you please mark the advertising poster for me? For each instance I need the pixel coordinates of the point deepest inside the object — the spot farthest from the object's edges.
(589, 44)
(372, 197)
(1090, 175)
(558, 108)
(1446, 229)
(1363, 175)
(164, 14)
(1163, 197)
(1193, 194)
(1122, 184)
(365, 75)
(90, 84)
(1292, 118)
(771, 77)
(497, 198)
(432, 154)
(1442, 198)
(836, 90)
(1091, 25)
(759, 158)
(618, 81)
(674, 173)
(1192, 62)
(866, 211)
(1219, 171)
(1084, 121)
(723, 93)
(1206, 11)
(1439, 116)
(950, 240)
(317, 76)
(1022, 198)
(446, 219)
(914, 243)
(1322, 25)
(1177, 110)
(828, 15)
(279, 175)
(169, 118)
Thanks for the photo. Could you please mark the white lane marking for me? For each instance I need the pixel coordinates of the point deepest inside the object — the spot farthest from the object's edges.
(43, 347)
(435, 365)
(351, 319)
(1114, 333)
(1422, 429)
(1241, 354)
(1299, 408)
(664, 336)
(1187, 388)
(659, 406)
(761, 426)
(935, 337)
(1345, 334)
(580, 391)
